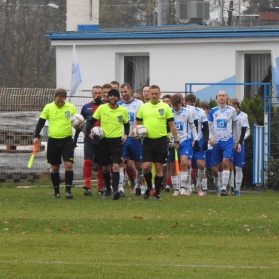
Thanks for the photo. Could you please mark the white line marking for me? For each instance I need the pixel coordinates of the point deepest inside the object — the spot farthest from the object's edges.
(135, 264)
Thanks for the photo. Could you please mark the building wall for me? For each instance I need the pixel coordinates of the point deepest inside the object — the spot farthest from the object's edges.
(172, 62)
(81, 12)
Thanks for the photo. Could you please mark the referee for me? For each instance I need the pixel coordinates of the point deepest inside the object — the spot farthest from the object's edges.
(60, 142)
(112, 118)
(154, 115)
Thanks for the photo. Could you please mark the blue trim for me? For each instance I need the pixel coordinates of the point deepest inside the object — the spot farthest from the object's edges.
(166, 32)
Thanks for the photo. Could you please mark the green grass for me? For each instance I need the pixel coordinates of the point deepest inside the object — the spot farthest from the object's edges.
(178, 237)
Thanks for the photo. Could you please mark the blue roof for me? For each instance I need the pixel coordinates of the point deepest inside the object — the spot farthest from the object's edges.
(167, 32)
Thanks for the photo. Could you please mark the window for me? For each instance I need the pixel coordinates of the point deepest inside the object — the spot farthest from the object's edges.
(257, 68)
(136, 71)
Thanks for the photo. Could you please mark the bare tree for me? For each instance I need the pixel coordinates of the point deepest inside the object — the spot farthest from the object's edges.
(26, 57)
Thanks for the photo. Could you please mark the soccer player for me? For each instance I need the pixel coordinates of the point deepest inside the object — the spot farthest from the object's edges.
(106, 88)
(145, 94)
(115, 84)
(60, 141)
(91, 146)
(138, 96)
(211, 175)
(182, 118)
(113, 117)
(167, 99)
(154, 115)
(239, 157)
(223, 137)
(199, 156)
(132, 150)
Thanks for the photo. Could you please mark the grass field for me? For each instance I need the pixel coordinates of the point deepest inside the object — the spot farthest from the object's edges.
(178, 237)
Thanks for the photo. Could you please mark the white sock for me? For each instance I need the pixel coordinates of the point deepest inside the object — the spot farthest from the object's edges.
(200, 177)
(175, 182)
(225, 179)
(184, 176)
(121, 179)
(238, 178)
(220, 178)
(204, 184)
(231, 180)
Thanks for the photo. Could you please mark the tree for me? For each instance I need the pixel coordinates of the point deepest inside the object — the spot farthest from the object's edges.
(117, 13)
(256, 5)
(26, 57)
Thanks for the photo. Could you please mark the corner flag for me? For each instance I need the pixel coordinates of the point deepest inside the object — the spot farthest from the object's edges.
(76, 76)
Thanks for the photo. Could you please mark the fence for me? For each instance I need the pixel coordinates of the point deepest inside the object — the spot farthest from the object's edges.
(19, 113)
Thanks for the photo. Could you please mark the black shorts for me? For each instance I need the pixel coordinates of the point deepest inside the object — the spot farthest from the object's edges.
(57, 148)
(111, 151)
(155, 150)
(91, 150)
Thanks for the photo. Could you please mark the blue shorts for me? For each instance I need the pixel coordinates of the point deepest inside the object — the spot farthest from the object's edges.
(239, 157)
(209, 159)
(185, 149)
(199, 155)
(222, 149)
(132, 149)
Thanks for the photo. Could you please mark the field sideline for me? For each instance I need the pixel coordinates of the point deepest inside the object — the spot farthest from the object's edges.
(178, 237)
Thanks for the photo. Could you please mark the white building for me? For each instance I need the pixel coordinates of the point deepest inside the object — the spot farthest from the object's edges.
(168, 56)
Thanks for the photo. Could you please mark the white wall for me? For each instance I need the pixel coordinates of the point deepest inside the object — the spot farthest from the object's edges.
(81, 12)
(172, 62)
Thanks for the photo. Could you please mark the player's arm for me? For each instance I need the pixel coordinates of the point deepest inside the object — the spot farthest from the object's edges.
(39, 127)
(89, 125)
(205, 135)
(235, 128)
(174, 132)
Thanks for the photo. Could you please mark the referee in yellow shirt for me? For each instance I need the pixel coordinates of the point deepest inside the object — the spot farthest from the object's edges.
(60, 142)
(154, 115)
(112, 118)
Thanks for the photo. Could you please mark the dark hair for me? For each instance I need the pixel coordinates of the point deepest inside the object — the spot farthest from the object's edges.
(114, 82)
(107, 85)
(154, 87)
(125, 84)
(60, 92)
(190, 98)
(176, 100)
(204, 105)
(167, 96)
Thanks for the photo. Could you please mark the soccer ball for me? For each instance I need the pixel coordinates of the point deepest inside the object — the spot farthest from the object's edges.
(140, 131)
(77, 121)
(98, 131)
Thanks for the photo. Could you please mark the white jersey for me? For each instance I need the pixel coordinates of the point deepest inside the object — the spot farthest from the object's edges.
(183, 120)
(201, 119)
(132, 109)
(194, 114)
(220, 123)
(242, 121)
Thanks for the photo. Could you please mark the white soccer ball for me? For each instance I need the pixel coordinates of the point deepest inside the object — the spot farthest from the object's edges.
(77, 121)
(98, 131)
(140, 131)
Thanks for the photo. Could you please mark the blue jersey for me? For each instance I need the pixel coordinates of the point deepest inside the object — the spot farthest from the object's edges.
(132, 109)
(221, 123)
